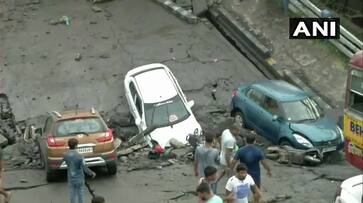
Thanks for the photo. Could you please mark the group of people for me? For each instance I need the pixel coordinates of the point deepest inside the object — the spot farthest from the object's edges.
(214, 160)
(218, 157)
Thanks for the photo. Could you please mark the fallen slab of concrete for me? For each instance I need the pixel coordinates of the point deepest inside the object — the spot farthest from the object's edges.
(178, 11)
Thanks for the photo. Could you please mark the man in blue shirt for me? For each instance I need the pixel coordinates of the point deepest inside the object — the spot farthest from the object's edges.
(252, 156)
(76, 169)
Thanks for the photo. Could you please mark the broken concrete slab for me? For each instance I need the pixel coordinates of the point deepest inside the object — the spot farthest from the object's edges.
(7, 131)
(187, 4)
(200, 7)
(149, 166)
(96, 9)
(3, 141)
(179, 11)
(175, 143)
(131, 149)
(289, 155)
(8, 152)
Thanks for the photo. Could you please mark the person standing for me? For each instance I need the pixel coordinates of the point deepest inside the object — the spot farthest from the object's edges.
(76, 170)
(210, 177)
(228, 148)
(206, 156)
(238, 187)
(206, 195)
(7, 195)
(252, 157)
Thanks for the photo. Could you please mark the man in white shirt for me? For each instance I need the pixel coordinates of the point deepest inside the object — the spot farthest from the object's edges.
(228, 148)
(240, 185)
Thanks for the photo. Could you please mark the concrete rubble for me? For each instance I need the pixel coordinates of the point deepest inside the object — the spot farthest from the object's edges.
(289, 155)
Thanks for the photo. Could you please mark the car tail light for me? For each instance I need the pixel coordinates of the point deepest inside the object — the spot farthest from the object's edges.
(53, 143)
(108, 137)
(234, 93)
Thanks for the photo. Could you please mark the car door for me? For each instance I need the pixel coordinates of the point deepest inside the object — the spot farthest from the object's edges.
(253, 108)
(269, 126)
(135, 104)
(42, 138)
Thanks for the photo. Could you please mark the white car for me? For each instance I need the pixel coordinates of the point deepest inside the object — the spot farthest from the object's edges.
(156, 100)
(350, 190)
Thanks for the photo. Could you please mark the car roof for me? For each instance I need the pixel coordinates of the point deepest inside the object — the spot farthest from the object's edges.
(154, 83)
(69, 114)
(280, 90)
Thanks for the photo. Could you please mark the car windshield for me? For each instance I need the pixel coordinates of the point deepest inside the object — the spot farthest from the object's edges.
(165, 113)
(70, 127)
(303, 110)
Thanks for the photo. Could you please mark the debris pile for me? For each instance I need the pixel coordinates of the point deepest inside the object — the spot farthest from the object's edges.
(289, 155)
(62, 20)
(7, 122)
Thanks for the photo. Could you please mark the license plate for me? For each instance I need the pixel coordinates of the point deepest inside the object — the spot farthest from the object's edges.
(83, 150)
(329, 149)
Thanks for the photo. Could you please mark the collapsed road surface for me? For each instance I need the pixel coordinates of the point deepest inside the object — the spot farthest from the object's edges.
(50, 67)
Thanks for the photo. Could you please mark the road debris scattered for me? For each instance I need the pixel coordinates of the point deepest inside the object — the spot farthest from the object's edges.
(99, 1)
(78, 57)
(96, 9)
(129, 150)
(8, 128)
(277, 198)
(62, 20)
(289, 155)
(104, 56)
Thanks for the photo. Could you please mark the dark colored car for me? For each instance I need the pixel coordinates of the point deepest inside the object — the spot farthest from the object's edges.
(285, 115)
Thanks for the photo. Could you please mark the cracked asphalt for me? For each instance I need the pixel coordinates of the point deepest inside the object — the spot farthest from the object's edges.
(39, 73)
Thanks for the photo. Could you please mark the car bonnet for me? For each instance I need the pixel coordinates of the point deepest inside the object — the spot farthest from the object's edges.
(179, 131)
(320, 130)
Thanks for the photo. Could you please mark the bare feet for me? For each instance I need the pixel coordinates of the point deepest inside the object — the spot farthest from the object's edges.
(8, 197)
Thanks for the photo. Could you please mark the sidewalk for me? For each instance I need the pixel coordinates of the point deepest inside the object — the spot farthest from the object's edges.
(315, 62)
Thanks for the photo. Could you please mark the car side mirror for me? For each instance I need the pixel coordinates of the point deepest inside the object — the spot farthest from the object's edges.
(191, 103)
(137, 121)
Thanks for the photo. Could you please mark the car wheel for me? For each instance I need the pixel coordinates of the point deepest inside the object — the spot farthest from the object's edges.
(112, 167)
(239, 119)
(50, 174)
(285, 142)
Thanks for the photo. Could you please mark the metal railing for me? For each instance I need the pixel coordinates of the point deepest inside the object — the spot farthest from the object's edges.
(348, 44)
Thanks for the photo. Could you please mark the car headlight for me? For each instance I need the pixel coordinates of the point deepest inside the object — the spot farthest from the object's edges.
(300, 139)
(340, 131)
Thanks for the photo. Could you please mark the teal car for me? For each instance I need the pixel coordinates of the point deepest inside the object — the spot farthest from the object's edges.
(285, 115)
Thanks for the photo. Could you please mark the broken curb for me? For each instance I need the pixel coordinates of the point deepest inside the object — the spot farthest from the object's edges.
(178, 11)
